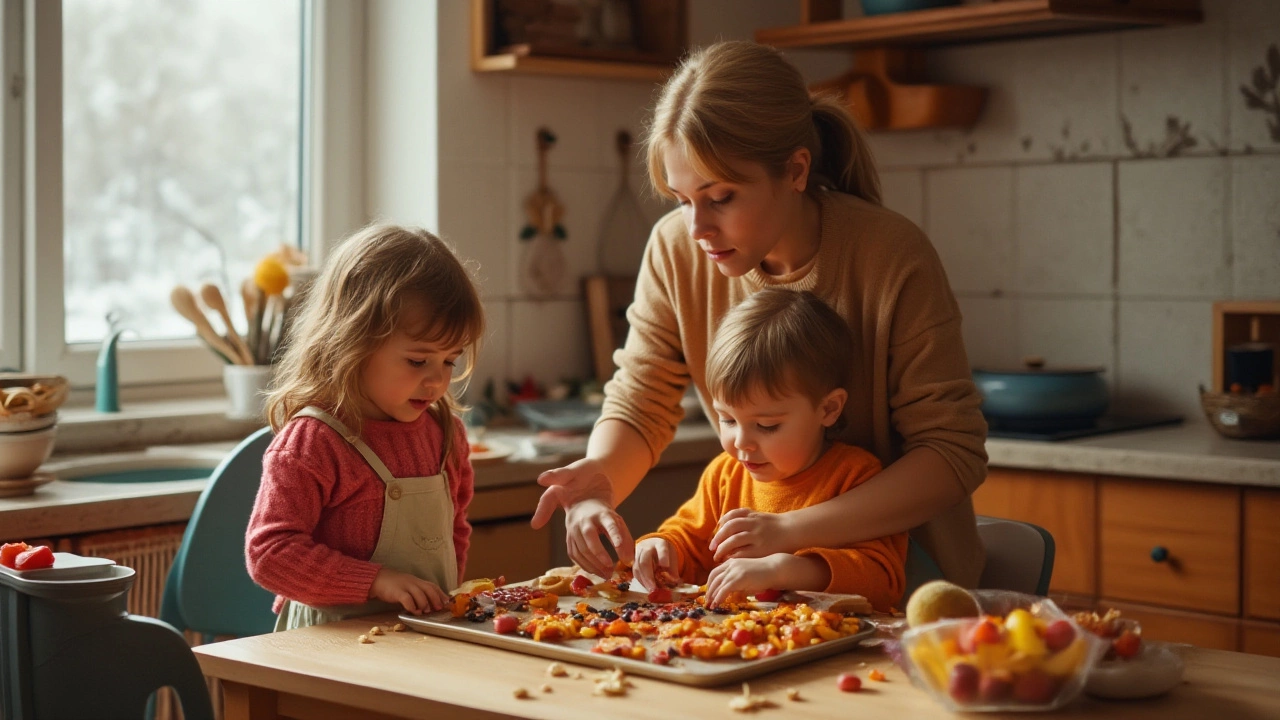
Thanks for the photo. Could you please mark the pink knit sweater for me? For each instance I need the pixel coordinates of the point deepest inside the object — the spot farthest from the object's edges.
(318, 513)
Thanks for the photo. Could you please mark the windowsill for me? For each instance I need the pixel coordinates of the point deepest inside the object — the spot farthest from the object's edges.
(146, 423)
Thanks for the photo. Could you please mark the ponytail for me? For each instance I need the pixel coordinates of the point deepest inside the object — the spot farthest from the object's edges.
(741, 101)
(843, 159)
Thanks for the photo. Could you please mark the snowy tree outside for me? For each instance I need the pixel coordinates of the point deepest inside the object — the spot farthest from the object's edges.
(181, 122)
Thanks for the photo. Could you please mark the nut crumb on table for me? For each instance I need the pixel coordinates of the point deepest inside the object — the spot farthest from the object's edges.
(793, 694)
(555, 669)
(398, 627)
(746, 702)
(521, 694)
(375, 630)
(612, 683)
(364, 639)
(546, 688)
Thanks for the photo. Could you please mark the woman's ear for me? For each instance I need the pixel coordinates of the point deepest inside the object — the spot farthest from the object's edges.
(832, 405)
(798, 167)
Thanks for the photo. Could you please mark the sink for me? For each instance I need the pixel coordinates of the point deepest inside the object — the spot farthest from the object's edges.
(135, 468)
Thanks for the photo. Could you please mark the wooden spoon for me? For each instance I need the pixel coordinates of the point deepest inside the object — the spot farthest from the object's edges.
(213, 300)
(253, 308)
(185, 303)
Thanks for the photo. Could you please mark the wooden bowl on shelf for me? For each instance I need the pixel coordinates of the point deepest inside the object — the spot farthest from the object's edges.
(1245, 417)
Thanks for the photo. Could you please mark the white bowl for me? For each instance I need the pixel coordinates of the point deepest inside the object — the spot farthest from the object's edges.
(21, 453)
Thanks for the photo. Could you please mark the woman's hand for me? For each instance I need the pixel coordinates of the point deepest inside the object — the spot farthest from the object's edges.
(412, 593)
(585, 521)
(653, 554)
(569, 485)
(745, 533)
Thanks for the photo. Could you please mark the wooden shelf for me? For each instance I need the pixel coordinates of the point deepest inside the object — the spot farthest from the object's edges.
(662, 33)
(1000, 20)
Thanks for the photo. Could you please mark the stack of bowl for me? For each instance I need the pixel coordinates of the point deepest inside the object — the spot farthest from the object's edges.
(28, 426)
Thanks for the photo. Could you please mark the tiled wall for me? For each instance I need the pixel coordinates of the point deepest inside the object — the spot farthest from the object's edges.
(488, 165)
(1115, 186)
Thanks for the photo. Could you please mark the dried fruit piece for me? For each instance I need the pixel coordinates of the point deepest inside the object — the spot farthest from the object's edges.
(849, 682)
(876, 674)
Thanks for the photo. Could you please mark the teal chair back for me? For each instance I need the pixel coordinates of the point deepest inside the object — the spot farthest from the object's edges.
(209, 590)
(1019, 556)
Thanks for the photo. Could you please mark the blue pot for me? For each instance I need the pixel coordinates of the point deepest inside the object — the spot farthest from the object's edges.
(883, 7)
(1039, 396)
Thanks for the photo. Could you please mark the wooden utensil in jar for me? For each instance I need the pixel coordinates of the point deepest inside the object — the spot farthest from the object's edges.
(185, 303)
(213, 299)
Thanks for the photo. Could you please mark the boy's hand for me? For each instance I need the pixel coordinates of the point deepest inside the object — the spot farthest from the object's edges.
(412, 593)
(745, 533)
(652, 555)
(780, 571)
(584, 522)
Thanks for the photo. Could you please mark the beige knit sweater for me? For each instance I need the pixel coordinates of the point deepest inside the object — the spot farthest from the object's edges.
(911, 383)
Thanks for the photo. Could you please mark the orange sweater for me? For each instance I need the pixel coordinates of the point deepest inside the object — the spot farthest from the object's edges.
(873, 569)
(911, 383)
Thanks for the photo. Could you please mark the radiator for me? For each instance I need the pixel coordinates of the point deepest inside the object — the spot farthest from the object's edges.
(149, 551)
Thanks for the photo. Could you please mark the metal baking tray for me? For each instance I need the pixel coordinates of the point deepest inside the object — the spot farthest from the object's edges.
(686, 671)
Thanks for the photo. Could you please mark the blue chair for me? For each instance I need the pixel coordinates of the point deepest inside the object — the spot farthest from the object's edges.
(209, 590)
(1019, 556)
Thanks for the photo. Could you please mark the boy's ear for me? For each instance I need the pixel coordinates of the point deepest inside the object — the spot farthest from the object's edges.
(832, 405)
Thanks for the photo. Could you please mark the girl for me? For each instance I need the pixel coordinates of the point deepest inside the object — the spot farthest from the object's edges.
(778, 189)
(365, 487)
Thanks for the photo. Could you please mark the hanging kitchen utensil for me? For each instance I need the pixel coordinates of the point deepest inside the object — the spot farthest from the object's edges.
(542, 267)
(624, 231)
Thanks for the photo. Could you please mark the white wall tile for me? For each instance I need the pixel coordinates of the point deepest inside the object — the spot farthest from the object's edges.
(495, 354)
(1255, 226)
(1171, 89)
(621, 106)
(1065, 228)
(903, 192)
(585, 195)
(1069, 332)
(997, 136)
(1164, 356)
(548, 340)
(474, 115)
(1252, 31)
(989, 330)
(969, 217)
(475, 217)
(565, 107)
(1172, 229)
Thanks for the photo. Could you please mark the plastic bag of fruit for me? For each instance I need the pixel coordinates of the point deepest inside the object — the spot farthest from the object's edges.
(1023, 653)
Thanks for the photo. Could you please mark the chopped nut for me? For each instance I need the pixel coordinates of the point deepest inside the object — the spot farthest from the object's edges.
(613, 682)
(365, 639)
(398, 627)
(793, 694)
(521, 694)
(862, 664)
(578, 675)
(555, 669)
(546, 688)
(748, 702)
(375, 630)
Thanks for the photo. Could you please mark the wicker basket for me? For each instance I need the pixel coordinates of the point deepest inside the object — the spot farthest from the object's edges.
(1242, 416)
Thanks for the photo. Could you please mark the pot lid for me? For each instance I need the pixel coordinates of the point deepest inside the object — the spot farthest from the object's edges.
(1035, 365)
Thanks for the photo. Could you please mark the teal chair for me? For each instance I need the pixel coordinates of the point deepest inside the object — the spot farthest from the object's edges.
(1019, 556)
(209, 590)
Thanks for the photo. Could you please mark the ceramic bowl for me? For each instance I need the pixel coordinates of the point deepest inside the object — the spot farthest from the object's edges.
(1039, 394)
(22, 452)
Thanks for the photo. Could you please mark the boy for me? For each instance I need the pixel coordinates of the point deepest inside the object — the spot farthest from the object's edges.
(778, 371)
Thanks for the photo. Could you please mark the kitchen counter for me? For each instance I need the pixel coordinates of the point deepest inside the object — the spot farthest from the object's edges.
(1191, 451)
(324, 671)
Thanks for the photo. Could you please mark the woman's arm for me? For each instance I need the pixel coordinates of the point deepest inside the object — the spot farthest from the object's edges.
(617, 459)
(914, 489)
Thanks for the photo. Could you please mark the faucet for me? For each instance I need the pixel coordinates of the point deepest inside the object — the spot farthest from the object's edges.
(107, 392)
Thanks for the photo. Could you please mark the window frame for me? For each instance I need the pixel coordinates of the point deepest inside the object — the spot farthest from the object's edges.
(32, 293)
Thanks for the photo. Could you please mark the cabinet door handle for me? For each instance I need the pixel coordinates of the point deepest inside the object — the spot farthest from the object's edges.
(1159, 554)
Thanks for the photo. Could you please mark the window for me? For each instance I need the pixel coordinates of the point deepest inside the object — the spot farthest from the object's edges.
(163, 146)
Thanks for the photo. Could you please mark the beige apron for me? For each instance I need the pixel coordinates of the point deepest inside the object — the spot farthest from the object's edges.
(416, 536)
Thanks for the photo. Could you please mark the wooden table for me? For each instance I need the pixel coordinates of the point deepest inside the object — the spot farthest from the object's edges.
(324, 673)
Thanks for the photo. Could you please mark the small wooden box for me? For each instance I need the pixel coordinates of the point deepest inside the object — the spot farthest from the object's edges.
(1232, 325)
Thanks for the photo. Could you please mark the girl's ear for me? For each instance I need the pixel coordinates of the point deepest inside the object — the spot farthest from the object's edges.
(798, 167)
(832, 405)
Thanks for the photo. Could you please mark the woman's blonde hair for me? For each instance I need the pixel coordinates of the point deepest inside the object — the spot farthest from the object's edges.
(777, 342)
(359, 301)
(742, 101)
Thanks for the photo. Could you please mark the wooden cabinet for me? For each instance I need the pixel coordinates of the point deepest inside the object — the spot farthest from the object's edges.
(1193, 562)
(1175, 545)
(502, 542)
(1262, 554)
(1064, 505)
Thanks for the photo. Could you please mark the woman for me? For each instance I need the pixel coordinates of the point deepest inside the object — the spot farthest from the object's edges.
(777, 189)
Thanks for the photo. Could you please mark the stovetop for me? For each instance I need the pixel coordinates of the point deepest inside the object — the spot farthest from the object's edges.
(1101, 426)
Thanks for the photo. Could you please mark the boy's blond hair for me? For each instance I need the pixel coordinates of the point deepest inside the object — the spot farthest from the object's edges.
(356, 303)
(738, 100)
(778, 342)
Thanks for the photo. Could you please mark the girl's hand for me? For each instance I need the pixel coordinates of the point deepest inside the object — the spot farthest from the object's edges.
(412, 593)
(746, 575)
(652, 555)
(585, 521)
(745, 533)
